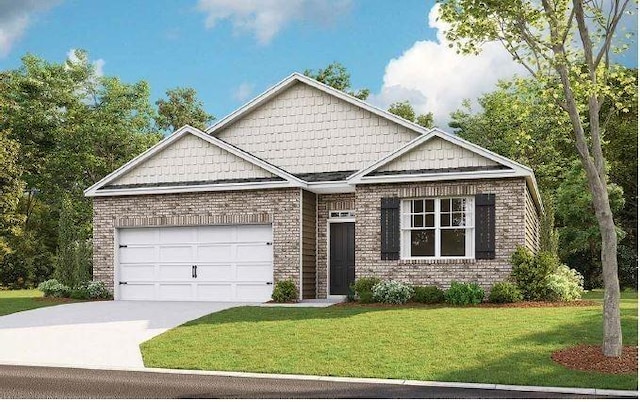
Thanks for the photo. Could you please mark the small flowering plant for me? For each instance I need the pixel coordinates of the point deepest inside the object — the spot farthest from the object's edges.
(392, 292)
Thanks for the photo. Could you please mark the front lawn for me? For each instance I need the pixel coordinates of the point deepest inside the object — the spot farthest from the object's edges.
(13, 301)
(489, 345)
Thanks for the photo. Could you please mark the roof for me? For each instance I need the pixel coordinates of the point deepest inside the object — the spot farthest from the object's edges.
(325, 176)
(343, 179)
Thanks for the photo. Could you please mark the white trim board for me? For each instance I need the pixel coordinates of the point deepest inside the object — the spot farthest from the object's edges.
(181, 132)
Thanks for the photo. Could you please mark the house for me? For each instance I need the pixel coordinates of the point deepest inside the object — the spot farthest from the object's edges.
(308, 183)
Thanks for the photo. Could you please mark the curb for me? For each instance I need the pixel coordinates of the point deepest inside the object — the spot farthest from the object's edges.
(301, 377)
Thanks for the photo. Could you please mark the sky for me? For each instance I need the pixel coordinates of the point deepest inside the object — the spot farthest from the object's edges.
(232, 50)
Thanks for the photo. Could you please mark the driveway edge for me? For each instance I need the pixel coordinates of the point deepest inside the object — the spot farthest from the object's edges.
(417, 383)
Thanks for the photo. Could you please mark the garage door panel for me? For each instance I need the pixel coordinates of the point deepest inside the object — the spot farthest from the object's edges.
(145, 291)
(138, 273)
(219, 273)
(174, 272)
(216, 234)
(176, 253)
(176, 291)
(138, 236)
(234, 263)
(215, 292)
(254, 273)
(177, 235)
(216, 253)
(140, 254)
(254, 233)
(253, 292)
(252, 252)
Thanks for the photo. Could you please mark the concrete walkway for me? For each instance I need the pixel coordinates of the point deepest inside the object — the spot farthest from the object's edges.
(310, 302)
(101, 334)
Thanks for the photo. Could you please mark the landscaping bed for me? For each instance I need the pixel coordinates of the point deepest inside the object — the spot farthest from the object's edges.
(522, 304)
(591, 358)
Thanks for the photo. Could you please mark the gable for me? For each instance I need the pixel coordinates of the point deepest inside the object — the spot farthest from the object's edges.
(190, 159)
(303, 129)
(438, 154)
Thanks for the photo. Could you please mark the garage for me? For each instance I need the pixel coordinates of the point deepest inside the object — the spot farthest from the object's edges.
(195, 263)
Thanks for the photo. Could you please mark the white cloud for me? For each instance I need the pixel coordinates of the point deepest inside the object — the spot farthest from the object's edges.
(436, 79)
(265, 18)
(243, 92)
(15, 17)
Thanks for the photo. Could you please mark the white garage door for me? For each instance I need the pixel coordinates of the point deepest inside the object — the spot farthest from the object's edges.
(202, 263)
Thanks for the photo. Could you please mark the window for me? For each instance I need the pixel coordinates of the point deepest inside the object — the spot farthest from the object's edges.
(437, 228)
(342, 214)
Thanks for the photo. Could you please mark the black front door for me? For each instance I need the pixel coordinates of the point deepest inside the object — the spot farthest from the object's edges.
(342, 257)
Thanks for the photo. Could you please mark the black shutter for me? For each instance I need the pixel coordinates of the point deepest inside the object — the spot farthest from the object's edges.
(485, 226)
(390, 228)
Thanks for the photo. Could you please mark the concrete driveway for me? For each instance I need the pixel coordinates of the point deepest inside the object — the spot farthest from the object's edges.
(93, 334)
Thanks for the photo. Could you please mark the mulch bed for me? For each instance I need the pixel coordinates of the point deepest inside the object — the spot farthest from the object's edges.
(524, 304)
(590, 358)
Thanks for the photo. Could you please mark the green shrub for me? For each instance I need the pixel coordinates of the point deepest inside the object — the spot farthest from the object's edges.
(505, 292)
(427, 294)
(530, 272)
(94, 290)
(53, 288)
(461, 293)
(392, 292)
(363, 288)
(565, 284)
(79, 293)
(285, 291)
(98, 290)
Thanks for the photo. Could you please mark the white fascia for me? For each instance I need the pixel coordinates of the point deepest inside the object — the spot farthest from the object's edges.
(331, 187)
(192, 188)
(408, 178)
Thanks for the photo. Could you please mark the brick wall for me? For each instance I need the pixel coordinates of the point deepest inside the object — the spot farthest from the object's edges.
(510, 231)
(280, 207)
(326, 203)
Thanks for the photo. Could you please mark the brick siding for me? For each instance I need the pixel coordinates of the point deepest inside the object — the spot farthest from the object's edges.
(510, 231)
(280, 207)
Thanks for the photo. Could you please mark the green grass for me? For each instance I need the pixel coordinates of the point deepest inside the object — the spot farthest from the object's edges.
(490, 345)
(13, 301)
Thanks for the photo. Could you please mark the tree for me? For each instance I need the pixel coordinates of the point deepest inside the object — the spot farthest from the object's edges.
(405, 110)
(73, 127)
(566, 45)
(11, 189)
(578, 226)
(336, 75)
(515, 121)
(181, 107)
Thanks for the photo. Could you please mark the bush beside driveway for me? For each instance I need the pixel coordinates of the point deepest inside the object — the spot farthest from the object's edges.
(466, 344)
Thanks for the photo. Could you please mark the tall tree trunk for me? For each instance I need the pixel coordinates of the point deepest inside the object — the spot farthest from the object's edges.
(612, 340)
(594, 168)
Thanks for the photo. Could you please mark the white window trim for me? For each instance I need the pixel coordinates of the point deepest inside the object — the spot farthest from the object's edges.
(405, 252)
